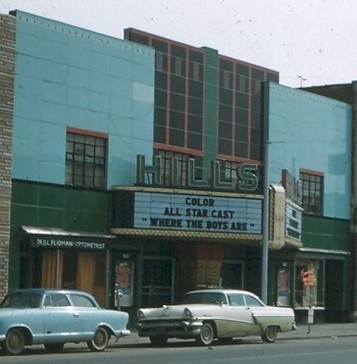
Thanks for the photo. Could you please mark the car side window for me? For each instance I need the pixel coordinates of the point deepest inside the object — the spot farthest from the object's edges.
(192, 298)
(236, 299)
(81, 301)
(27, 300)
(215, 298)
(35, 300)
(252, 301)
(59, 300)
(48, 302)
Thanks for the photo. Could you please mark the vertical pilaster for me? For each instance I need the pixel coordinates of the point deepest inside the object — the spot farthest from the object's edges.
(7, 73)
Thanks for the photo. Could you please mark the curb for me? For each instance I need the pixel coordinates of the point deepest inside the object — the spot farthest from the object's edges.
(316, 332)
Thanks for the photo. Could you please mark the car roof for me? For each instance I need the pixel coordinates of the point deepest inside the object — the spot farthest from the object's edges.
(223, 290)
(48, 290)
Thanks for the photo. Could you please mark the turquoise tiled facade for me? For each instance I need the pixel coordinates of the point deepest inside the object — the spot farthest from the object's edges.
(71, 77)
(308, 132)
(311, 132)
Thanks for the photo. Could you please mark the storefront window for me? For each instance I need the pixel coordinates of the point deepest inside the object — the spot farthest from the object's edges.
(74, 270)
(309, 283)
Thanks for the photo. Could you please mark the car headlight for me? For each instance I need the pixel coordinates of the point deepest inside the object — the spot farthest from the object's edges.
(187, 313)
(140, 315)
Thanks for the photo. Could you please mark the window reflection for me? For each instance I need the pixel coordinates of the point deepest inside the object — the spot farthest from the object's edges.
(309, 283)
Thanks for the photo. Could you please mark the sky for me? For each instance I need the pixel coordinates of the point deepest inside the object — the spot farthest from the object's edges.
(309, 42)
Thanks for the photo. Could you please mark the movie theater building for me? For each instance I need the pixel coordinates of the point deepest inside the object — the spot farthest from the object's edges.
(213, 109)
(193, 237)
(206, 176)
(139, 169)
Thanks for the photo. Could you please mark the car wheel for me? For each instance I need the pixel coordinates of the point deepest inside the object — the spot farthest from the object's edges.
(206, 335)
(270, 334)
(14, 342)
(54, 348)
(100, 340)
(158, 341)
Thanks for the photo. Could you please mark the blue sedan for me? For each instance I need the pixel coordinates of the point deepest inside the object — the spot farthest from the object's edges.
(54, 317)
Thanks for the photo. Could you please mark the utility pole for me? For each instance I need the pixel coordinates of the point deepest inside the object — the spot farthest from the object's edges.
(265, 243)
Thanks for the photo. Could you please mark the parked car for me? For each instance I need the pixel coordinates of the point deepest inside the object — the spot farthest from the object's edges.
(54, 317)
(215, 314)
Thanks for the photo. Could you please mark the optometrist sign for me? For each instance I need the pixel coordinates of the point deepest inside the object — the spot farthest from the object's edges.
(197, 213)
(67, 243)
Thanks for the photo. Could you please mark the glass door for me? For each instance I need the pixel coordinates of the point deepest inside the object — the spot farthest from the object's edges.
(232, 274)
(158, 281)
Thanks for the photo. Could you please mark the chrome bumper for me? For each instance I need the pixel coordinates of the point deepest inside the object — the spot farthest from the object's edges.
(184, 329)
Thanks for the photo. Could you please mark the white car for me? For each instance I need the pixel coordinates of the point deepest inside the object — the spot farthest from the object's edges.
(215, 314)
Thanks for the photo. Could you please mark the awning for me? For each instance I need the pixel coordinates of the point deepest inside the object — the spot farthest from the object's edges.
(54, 238)
(323, 253)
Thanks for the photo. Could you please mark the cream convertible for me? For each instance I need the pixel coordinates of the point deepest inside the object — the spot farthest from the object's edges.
(215, 313)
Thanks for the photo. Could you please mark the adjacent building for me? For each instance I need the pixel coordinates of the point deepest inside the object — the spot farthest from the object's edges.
(309, 146)
(348, 93)
(82, 110)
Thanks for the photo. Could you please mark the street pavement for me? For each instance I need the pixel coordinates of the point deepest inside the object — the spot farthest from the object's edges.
(313, 331)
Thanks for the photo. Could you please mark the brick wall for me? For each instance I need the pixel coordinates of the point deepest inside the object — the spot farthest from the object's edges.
(7, 65)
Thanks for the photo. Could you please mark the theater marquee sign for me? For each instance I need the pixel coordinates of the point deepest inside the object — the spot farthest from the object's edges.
(197, 213)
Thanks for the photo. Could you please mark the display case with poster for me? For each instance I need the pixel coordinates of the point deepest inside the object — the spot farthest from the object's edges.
(283, 287)
(124, 278)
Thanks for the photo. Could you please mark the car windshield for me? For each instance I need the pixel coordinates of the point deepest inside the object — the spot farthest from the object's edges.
(22, 300)
(204, 297)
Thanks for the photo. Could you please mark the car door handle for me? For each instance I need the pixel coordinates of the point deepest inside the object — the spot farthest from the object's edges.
(76, 314)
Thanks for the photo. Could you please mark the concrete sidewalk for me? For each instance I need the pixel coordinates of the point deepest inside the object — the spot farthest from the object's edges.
(303, 332)
(321, 331)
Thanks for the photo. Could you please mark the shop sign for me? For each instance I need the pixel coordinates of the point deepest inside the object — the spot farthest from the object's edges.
(293, 221)
(41, 242)
(246, 175)
(285, 219)
(277, 216)
(197, 213)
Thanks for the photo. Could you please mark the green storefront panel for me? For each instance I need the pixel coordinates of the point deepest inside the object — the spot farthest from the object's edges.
(43, 205)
